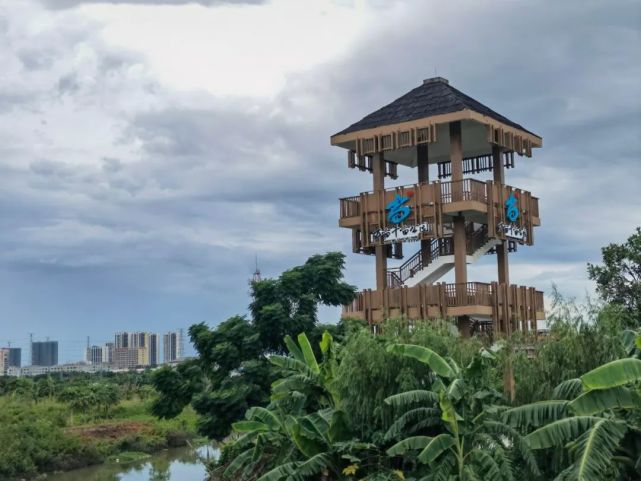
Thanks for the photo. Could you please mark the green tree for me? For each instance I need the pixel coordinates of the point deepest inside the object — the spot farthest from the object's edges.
(232, 371)
(288, 305)
(619, 278)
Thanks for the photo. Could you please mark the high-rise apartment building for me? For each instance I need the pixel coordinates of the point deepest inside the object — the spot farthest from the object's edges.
(154, 349)
(44, 353)
(4, 361)
(94, 355)
(128, 357)
(15, 356)
(121, 340)
(108, 353)
(172, 344)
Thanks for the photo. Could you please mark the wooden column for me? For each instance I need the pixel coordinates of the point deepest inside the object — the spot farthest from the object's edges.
(456, 158)
(378, 171)
(460, 242)
(502, 248)
(422, 164)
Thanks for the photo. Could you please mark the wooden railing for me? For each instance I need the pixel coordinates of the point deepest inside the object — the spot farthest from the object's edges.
(431, 207)
(510, 307)
(463, 190)
(350, 206)
(468, 294)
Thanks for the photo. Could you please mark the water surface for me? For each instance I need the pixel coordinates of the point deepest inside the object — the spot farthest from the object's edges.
(180, 464)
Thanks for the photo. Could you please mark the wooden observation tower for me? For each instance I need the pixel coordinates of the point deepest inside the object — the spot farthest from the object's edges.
(447, 219)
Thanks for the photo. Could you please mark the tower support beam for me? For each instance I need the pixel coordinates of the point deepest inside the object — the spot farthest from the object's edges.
(502, 248)
(423, 166)
(378, 171)
(460, 242)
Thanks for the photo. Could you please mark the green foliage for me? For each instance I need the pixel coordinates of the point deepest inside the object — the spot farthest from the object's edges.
(232, 371)
(47, 423)
(619, 278)
(288, 305)
(599, 430)
(468, 440)
(579, 340)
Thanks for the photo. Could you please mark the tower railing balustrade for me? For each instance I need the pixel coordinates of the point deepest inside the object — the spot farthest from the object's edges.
(430, 202)
(515, 307)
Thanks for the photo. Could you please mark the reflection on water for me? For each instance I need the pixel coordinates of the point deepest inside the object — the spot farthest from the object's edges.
(182, 464)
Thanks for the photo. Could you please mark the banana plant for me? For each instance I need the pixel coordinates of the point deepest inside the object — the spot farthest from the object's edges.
(305, 374)
(303, 433)
(594, 423)
(456, 431)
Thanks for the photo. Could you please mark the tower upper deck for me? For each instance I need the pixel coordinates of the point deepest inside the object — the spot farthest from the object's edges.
(422, 115)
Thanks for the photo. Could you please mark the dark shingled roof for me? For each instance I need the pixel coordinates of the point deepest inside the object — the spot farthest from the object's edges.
(434, 97)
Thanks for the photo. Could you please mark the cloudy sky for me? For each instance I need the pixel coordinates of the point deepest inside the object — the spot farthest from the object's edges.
(149, 150)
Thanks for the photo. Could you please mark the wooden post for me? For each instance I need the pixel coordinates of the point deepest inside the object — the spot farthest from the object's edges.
(460, 247)
(378, 171)
(422, 163)
(502, 248)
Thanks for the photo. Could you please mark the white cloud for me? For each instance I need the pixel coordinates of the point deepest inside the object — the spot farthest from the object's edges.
(234, 50)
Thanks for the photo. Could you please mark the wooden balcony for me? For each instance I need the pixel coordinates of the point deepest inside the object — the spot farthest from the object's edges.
(433, 206)
(510, 307)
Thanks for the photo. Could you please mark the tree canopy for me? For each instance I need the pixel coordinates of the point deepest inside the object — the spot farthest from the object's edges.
(619, 278)
(232, 372)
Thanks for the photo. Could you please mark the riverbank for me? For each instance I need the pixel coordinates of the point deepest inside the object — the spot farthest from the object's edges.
(49, 436)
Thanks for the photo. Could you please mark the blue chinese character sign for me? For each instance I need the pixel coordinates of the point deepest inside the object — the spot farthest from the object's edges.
(511, 209)
(397, 211)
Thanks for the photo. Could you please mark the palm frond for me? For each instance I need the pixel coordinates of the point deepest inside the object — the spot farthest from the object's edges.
(263, 415)
(239, 462)
(560, 432)
(595, 447)
(249, 426)
(407, 398)
(291, 364)
(487, 466)
(456, 389)
(413, 418)
(438, 364)
(409, 444)
(314, 465)
(280, 472)
(568, 389)
(437, 446)
(308, 353)
(612, 374)
(598, 400)
(536, 414)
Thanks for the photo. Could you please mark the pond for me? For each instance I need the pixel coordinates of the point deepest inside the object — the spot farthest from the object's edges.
(180, 464)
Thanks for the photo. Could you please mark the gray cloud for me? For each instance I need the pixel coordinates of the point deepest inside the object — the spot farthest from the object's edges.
(63, 4)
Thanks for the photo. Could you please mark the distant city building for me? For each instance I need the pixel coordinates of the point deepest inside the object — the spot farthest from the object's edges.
(9, 357)
(129, 357)
(154, 349)
(44, 353)
(15, 356)
(4, 361)
(172, 344)
(147, 342)
(94, 355)
(121, 340)
(108, 353)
